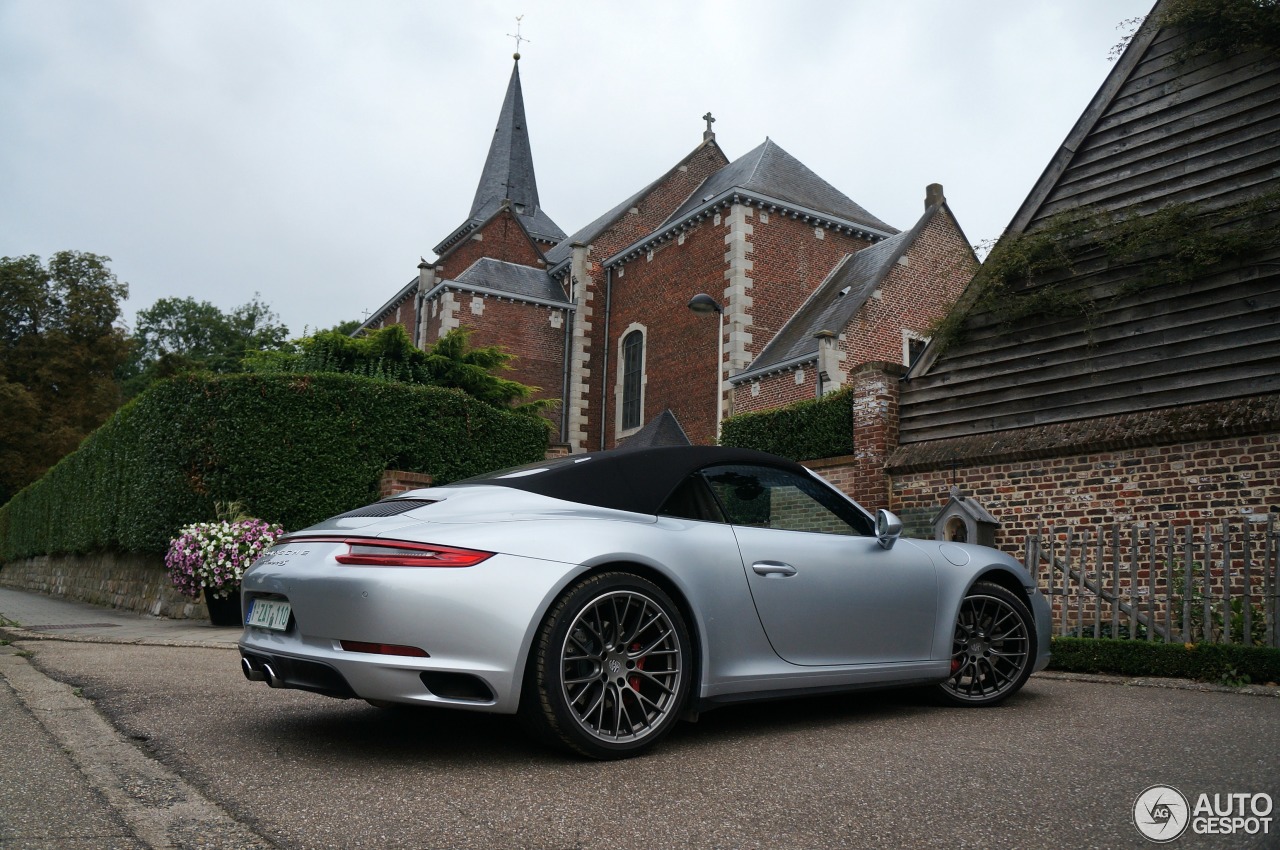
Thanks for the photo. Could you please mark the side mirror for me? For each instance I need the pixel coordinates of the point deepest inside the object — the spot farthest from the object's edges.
(888, 528)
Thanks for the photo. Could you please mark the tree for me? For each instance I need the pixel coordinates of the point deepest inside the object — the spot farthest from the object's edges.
(176, 335)
(59, 352)
(389, 354)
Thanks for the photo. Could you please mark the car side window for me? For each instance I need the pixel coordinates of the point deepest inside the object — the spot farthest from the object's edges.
(693, 500)
(762, 497)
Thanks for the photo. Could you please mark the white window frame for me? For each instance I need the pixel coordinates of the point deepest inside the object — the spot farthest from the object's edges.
(618, 431)
(907, 337)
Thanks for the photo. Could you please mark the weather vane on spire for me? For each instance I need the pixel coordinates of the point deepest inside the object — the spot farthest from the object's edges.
(518, 37)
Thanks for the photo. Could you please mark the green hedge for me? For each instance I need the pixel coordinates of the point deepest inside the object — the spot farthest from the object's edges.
(814, 428)
(292, 449)
(1210, 662)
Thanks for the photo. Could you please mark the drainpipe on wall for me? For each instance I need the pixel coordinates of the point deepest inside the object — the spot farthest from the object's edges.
(568, 357)
(604, 363)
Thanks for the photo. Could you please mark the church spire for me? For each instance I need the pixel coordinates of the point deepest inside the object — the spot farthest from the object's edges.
(508, 175)
(508, 170)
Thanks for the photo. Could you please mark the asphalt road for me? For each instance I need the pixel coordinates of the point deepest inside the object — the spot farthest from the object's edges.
(1060, 765)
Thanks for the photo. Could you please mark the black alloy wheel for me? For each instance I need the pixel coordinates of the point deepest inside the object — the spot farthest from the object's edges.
(993, 647)
(610, 669)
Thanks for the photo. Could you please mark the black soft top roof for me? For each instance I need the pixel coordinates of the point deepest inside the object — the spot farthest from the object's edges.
(638, 480)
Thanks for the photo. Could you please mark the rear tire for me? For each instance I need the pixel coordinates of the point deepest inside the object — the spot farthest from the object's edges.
(992, 649)
(610, 668)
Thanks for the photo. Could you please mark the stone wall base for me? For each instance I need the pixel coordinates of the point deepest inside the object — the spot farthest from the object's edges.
(133, 582)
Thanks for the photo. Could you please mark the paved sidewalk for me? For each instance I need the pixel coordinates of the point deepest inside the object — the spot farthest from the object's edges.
(34, 616)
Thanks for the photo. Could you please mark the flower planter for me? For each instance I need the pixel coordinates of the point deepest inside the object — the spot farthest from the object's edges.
(211, 556)
(225, 611)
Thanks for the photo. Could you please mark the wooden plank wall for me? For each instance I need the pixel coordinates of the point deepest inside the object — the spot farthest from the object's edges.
(1204, 130)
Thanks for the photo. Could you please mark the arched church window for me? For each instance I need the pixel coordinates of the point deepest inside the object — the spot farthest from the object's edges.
(632, 370)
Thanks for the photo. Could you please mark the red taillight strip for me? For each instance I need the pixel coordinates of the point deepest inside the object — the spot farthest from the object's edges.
(383, 648)
(377, 552)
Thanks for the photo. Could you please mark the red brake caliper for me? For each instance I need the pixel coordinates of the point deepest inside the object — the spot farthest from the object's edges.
(634, 681)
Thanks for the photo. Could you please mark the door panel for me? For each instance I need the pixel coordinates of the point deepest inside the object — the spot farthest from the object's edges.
(845, 601)
(825, 590)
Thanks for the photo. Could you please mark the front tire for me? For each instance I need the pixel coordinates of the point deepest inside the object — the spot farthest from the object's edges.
(991, 652)
(610, 668)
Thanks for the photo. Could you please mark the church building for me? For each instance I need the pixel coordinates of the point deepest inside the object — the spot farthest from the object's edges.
(720, 287)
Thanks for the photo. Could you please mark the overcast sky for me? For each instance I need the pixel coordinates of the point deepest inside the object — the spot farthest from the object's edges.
(312, 150)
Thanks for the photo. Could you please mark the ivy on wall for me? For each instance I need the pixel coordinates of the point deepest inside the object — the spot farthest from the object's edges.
(1176, 244)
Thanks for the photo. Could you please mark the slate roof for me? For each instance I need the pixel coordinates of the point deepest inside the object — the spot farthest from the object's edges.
(377, 315)
(836, 300)
(592, 231)
(661, 431)
(487, 273)
(508, 173)
(588, 234)
(772, 172)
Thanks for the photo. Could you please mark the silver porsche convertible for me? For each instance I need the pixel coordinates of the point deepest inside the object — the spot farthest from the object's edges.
(603, 597)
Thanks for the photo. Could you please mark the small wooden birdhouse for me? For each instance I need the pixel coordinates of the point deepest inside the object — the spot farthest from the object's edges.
(963, 520)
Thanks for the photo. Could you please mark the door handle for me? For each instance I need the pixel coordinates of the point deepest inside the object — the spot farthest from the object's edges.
(773, 569)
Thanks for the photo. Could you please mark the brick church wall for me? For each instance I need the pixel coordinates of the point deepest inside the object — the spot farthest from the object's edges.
(534, 333)
(501, 238)
(777, 389)
(914, 295)
(654, 290)
(680, 347)
(650, 212)
(789, 259)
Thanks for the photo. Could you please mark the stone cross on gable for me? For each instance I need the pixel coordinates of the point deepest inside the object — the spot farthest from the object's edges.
(518, 37)
(708, 134)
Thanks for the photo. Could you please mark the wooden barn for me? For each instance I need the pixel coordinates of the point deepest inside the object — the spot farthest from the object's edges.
(1116, 363)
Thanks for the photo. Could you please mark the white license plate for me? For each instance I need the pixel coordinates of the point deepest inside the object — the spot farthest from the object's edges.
(269, 614)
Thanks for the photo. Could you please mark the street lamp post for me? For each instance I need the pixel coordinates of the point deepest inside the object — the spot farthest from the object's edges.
(704, 303)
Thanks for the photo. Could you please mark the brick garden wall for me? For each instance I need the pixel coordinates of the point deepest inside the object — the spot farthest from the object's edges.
(1181, 482)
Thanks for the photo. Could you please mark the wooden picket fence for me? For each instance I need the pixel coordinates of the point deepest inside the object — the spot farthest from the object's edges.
(1213, 581)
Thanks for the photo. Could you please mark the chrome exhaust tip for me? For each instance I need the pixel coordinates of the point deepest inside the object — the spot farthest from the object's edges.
(270, 675)
(250, 672)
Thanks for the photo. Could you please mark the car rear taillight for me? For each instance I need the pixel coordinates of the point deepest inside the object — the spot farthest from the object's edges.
(383, 648)
(399, 553)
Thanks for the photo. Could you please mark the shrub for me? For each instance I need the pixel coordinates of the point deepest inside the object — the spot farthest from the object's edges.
(292, 449)
(813, 428)
(1211, 662)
